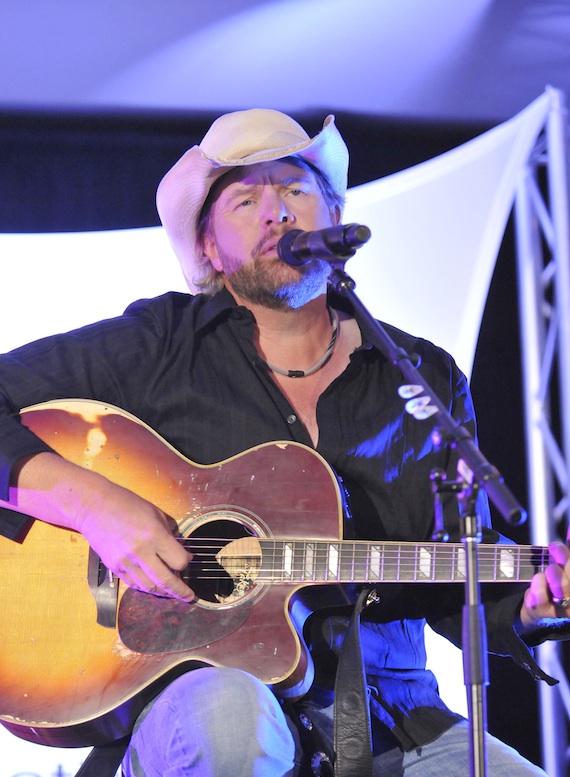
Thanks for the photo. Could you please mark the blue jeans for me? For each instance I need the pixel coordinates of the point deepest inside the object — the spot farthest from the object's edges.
(226, 723)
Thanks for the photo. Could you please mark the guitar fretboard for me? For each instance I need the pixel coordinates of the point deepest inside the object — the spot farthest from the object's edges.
(299, 561)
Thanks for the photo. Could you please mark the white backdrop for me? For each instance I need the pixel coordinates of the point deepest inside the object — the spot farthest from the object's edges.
(436, 229)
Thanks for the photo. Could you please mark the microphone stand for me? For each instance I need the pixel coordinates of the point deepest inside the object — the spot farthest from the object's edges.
(423, 403)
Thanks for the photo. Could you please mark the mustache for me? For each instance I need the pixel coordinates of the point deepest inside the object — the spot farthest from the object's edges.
(268, 237)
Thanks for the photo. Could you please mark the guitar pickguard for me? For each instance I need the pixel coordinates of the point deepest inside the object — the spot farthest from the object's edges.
(149, 624)
(226, 593)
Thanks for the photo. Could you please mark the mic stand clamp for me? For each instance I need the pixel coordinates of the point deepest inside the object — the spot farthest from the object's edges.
(474, 635)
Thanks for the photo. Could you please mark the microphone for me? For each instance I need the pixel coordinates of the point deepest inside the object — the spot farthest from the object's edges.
(331, 244)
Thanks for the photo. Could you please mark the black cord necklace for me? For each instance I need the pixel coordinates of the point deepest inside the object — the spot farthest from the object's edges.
(319, 363)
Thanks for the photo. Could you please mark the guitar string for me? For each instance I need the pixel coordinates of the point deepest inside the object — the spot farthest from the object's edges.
(490, 560)
(405, 552)
(393, 545)
(488, 553)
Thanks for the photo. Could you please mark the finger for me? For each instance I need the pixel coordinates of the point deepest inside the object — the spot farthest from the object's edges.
(558, 574)
(559, 552)
(156, 578)
(557, 581)
(537, 594)
(174, 554)
(559, 585)
(173, 586)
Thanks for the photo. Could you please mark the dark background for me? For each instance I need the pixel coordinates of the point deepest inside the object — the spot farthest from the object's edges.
(78, 171)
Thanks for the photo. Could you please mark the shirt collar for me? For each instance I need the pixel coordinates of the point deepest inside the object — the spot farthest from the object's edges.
(222, 303)
(213, 308)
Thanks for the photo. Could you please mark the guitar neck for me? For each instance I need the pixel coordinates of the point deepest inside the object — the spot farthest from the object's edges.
(299, 561)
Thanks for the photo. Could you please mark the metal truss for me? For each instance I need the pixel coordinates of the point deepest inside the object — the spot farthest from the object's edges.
(543, 257)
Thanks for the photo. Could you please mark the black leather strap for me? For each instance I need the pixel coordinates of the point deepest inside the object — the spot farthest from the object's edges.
(352, 731)
(104, 760)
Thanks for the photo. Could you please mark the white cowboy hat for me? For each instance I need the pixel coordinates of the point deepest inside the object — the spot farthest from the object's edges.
(238, 139)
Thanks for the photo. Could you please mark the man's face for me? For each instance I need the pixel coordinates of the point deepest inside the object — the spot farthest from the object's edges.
(252, 210)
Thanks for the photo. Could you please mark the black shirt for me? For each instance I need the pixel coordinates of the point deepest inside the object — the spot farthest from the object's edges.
(188, 368)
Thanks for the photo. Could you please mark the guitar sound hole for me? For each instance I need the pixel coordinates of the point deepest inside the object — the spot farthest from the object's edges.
(204, 575)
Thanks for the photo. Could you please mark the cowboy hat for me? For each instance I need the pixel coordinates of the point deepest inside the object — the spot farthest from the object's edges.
(237, 139)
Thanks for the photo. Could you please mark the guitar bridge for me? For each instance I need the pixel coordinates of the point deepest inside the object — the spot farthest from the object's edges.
(104, 589)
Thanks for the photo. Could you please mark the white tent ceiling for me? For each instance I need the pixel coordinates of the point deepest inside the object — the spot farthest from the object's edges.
(442, 59)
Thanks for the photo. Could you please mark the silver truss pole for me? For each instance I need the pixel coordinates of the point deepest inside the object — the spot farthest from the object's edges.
(558, 190)
(543, 257)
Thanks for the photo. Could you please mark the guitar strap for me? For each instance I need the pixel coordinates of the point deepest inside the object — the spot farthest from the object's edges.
(104, 760)
(352, 729)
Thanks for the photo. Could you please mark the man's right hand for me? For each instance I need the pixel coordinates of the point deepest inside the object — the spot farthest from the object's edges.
(132, 537)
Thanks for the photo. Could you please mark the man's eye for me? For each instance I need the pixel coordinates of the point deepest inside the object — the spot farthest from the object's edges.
(245, 203)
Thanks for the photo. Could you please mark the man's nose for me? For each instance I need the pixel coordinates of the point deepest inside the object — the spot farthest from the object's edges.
(276, 210)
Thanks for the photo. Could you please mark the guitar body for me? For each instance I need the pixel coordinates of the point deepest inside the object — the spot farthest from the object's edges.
(68, 680)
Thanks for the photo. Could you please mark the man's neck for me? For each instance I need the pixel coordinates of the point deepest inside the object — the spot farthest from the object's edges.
(291, 337)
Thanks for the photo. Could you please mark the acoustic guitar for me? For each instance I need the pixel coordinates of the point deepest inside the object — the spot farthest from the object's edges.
(81, 653)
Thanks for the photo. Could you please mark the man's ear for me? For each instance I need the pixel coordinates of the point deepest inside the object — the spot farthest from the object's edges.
(210, 250)
(336, 216)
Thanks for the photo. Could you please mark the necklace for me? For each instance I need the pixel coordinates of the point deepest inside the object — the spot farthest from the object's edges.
(319, 363)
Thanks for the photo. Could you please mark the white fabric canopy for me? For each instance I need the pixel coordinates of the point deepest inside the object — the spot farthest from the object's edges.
(436, 232)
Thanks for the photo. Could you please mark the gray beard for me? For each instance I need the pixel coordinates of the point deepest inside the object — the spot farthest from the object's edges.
(271, 284)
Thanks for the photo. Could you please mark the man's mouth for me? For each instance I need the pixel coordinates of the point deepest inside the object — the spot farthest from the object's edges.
(270, 247)
(267, 246)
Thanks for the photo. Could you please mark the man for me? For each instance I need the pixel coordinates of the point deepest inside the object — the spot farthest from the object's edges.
(265, 353)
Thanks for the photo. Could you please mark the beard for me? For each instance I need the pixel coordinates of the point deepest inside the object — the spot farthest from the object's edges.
(272, 283)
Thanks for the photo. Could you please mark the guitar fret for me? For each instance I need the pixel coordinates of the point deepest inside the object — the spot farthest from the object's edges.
(452, 564)
(269, 560)
(506, 563)
(461, 563)
(374, 569)
(333, 563)
(426, 565)
(287, 560)
(347, 561)
(309, 565)
(444, 563)
(298, 561)
(448, 568)
(433, 554)
(321, 562)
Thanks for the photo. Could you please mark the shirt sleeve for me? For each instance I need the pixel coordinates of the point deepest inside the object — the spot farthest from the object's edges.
(101, 361)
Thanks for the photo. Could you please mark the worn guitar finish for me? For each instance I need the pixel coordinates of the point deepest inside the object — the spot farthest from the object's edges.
(80, 653)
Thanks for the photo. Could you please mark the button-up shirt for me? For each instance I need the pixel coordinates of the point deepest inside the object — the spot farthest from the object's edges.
(187, 367)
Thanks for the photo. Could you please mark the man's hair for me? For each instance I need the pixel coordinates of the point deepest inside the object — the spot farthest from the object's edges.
(209, 280)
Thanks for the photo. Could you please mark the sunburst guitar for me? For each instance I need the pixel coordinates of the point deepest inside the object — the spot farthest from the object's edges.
(81, 653)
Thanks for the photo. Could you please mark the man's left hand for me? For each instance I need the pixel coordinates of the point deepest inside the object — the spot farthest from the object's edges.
(548, 596)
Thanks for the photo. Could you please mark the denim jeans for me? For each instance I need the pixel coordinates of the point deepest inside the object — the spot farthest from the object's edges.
(225, 723)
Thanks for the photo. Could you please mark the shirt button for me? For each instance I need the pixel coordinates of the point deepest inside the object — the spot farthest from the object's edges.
(291, 419)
